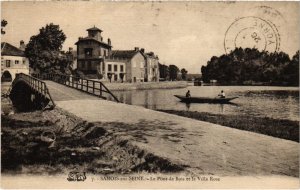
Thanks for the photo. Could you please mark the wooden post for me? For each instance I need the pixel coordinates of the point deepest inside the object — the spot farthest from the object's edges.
(87, 85)
(100, 89)
(72, 81)
(44, 89)
(93, 87)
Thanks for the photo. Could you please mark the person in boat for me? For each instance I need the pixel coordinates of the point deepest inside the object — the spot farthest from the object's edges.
(222, 94)
(188, 94)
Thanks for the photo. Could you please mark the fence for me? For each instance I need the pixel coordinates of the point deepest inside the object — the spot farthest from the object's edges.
(93, 87)
(36, 84)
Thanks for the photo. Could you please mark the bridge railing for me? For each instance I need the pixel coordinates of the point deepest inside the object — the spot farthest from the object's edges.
(94, 87)
(36, 84)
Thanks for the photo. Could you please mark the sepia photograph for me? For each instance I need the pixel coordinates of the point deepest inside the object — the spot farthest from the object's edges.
(150, 94)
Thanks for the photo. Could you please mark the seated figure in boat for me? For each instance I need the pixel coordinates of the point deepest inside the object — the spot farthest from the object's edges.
(222, 94)
(188, 94)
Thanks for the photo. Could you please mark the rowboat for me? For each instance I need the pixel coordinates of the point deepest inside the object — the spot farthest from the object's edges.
(205, 99)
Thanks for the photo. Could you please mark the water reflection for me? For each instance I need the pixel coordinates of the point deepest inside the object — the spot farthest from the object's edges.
(188, 105)
(276, 102)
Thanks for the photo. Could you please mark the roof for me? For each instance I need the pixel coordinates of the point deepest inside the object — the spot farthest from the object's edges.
(10, 50)
(94, 29)
(92, 39)
(151, 55)
(123, 54)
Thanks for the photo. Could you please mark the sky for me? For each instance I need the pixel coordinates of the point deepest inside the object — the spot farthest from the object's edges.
(186, 34)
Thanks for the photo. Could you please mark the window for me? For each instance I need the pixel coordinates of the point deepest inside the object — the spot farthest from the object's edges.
(109, 67)
(7, 63)
(88, 52)
(115, 68)
(104, 53)
(142, 65)
(121, 68)
(16, 62)
(134, 64)
(24, 62)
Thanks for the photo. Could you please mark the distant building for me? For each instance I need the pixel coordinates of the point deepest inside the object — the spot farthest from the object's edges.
(132, 61)
(115, 69)
(152, 67)
(13, 61)
(92, 51)
(72, 57)
(97, 57)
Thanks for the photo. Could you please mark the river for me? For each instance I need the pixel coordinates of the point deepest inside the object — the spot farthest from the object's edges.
(258, 101)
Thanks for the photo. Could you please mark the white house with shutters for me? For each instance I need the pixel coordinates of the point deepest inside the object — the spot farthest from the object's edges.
(13, 61)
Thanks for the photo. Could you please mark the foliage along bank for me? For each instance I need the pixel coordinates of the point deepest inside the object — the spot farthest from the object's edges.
(249, 66)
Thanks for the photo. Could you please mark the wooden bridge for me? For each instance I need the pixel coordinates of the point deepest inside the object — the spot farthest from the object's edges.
(57, 87)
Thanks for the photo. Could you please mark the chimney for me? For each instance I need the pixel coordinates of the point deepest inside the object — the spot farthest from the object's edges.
(136, 49)
(142, 50)
(109, 42)
(22, 45)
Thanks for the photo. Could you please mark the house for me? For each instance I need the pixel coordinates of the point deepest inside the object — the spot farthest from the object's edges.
(13, 61)
(92, 51)
(96, 59)
(131, 61)
(115, 70)
(152, 68)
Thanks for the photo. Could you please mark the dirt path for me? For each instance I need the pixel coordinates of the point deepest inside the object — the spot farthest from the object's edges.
(203, 148)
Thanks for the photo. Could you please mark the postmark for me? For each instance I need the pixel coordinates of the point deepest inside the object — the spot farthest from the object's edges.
(252, 32)
(269, 13)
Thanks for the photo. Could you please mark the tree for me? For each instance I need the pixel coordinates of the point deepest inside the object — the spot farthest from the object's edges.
(291, 71)
(173, 70)
(44, 50)
(184, 74)
(3, 24)
(249, 65)
(163, 71)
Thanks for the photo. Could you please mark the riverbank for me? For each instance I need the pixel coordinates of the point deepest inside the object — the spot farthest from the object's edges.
(280, 128)
(145, 85)
(78, 146)
(134, 139)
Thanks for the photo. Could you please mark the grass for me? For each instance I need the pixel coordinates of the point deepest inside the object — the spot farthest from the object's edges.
(280, 128)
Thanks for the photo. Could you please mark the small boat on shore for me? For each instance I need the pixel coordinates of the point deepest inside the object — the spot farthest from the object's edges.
(205, 99)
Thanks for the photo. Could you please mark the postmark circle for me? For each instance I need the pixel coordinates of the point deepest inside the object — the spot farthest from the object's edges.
(252, 32)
